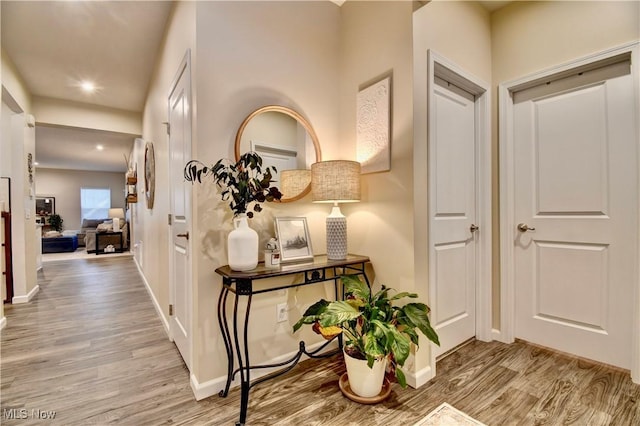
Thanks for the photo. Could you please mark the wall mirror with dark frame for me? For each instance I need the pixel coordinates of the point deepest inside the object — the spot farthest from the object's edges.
(45, 206)
(284, 139)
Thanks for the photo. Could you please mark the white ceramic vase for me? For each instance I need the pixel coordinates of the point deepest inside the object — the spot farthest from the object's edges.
(242, 245)
(364, 381)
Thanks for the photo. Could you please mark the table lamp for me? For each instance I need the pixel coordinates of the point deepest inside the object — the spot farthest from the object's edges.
(116, 214)
(336, 181)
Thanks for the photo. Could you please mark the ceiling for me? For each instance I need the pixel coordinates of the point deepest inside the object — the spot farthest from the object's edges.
(492, 5)
(75, 149)
(57, 44)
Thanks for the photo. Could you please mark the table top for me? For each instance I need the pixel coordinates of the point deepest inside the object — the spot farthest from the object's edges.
(318, 262)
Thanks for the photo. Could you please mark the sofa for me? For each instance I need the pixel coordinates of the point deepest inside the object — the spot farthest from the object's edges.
(90, 227)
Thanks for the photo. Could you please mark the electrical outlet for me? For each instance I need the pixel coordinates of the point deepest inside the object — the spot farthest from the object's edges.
(282, 312)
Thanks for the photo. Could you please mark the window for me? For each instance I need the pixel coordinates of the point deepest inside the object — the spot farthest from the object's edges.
(95, 203)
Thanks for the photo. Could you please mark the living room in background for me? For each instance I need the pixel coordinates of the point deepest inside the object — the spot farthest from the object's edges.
(95, 203)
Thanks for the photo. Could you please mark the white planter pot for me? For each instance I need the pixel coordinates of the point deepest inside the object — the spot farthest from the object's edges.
(364, 381)
(242, 245)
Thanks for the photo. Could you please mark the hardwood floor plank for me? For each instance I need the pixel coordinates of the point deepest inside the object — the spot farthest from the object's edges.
(91, 348)
(510, 408)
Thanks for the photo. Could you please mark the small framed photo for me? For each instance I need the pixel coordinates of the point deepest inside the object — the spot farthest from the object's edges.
(293, 236)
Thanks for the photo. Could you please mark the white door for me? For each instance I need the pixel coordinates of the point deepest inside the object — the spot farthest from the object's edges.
(276, 156)
(452, 153)
(180, 209)
(576, 184)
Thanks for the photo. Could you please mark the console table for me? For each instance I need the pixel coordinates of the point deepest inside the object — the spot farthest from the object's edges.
(109, 236)
(241, 285)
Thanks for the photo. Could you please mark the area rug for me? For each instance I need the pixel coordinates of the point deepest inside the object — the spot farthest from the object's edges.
(446, 415)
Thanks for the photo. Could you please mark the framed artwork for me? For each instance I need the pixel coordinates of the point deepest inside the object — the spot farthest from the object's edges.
(373, 132)
(149, 174)
(45, 206)
(294, 240)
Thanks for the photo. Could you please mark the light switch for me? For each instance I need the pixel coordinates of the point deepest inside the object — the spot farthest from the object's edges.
(27, 214)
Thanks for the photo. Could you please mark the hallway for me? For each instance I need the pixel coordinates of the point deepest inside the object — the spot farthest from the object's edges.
(91, 348)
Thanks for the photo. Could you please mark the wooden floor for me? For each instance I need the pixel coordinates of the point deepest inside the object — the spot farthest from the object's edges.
(91, 348)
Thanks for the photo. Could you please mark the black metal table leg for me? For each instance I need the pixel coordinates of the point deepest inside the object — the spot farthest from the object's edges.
(226, 336)
(244, 365)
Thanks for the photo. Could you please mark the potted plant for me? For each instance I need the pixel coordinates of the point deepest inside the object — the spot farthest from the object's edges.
(377, 332)
(244, 185)
(56, 222)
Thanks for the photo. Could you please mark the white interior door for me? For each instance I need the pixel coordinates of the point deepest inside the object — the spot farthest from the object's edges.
(452, 153)
(276, 156)
(576, 184)
(180, 200)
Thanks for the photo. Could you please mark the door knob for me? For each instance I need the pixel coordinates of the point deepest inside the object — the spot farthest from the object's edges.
(185, 235)
(473, 228)
(523, 227)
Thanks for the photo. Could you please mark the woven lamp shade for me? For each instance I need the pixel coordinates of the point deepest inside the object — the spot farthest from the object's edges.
(294, 183)
(335, 181)
(117, 212)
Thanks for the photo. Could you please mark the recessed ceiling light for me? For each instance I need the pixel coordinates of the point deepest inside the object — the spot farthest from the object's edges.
(99, 147)
(88, 86)
(35, 163)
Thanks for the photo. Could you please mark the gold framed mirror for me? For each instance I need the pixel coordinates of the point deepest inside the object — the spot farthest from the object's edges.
(286, 140)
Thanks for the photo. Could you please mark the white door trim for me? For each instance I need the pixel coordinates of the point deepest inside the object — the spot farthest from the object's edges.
(184, 68)
(439, 66)
(507, 178)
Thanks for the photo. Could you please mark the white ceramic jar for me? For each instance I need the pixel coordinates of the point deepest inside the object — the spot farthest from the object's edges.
(242, 245)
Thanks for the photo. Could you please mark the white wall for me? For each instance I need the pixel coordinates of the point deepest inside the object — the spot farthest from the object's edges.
(21, 139)
(251, 54)
(13, 84)
(65, 186)
(376, 39)
(76, 114)
(150, 229)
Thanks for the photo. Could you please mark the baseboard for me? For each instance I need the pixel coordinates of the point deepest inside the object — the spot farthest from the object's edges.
(26, 299)
(419, 378)
(497, 335)
(156, 305)
(214, 386)
(3, 322)
(210, 387)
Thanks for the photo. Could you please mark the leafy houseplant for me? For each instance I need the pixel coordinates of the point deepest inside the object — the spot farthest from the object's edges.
(56, 222)
(373, 327)
(241, 184)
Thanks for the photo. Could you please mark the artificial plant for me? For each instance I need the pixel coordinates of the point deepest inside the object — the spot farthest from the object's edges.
(241, 183)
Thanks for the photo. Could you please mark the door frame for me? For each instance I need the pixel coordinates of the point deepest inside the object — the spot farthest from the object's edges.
(183, 69)
(507, 187)
(441, 67)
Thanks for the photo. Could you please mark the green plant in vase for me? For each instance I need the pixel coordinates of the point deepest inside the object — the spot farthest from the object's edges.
(241, 183)
(374, 328)
(56, 222)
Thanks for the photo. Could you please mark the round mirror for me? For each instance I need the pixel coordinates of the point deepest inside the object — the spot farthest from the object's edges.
(285, 140)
